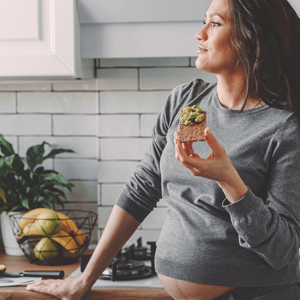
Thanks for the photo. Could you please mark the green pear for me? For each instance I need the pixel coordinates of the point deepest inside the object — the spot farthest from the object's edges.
(48, 223)
(46, 249)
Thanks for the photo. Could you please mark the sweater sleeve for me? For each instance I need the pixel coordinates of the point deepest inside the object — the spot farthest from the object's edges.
(271, 227)
(141, 194)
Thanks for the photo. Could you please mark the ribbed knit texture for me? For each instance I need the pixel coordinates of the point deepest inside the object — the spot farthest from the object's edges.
(205, 239)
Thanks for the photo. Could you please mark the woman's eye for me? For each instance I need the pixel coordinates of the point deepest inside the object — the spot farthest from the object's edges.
(214, 24)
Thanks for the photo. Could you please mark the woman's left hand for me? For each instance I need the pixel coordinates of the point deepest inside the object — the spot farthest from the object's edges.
(217, 166)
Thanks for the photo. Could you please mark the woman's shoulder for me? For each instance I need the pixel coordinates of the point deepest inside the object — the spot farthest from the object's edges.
(286, 123)
(185, 92)
(196, 85)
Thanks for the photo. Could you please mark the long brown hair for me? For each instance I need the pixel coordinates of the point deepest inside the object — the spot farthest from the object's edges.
(253, 22)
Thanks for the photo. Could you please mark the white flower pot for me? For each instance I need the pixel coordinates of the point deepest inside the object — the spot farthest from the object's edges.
(11, 246)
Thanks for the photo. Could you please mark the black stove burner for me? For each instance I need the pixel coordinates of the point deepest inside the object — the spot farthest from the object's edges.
(141, 252)
(127, 265)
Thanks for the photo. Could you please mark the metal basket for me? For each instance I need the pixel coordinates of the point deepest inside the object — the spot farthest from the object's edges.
(66, 248)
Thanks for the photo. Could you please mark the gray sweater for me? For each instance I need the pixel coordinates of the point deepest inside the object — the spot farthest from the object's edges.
(253, 242)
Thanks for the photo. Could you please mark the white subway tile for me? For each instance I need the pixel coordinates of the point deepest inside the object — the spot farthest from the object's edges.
(110, 193)
(147, 123)
(8, 102)
(88, 84)
(77, 168)
(83, 191)
(124, 148)
(115, 171)
(84, 207)
(25, 85)
(155, 219)
(57, 102)
(25, 124)
(118, 125)
(146, 235)
(132, 102)
(85, 147)
(169, 78)
(145, 62)
(117, 79)
(75, 125)
(103, 215)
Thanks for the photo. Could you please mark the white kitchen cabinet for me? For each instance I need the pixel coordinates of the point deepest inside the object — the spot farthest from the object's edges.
(140, 28)
(40, 38)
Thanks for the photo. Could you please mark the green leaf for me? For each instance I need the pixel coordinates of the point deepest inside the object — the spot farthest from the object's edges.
(25, 203)
(5, 146)
(58, 178)
(18, 207)
(54, 152)
(3, 208)
(2, 195)
(14, 162)
(4, 168)
(34, 155)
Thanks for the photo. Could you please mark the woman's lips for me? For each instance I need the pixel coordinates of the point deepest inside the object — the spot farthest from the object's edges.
(201, 49)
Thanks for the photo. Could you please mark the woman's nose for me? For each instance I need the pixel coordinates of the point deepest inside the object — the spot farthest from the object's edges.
(201, 35)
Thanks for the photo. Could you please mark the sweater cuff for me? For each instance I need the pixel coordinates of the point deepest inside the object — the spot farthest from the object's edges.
(247, 204)
(251, 218)
(131, 207)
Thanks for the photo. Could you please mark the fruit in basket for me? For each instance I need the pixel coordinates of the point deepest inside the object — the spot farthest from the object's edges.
(67, 224)
(29, 217)
(46, 249)
(30, 230)
(2, 269)
(81, 237)
(48, 223)
(66, 241)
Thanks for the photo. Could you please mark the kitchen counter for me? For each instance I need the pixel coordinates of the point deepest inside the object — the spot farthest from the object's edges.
(20, 263)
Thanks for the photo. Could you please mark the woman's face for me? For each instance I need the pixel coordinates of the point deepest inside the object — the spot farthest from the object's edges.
(215, 52)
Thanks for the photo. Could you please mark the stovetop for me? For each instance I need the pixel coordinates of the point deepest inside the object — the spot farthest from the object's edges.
(132, 267)
(151, 282)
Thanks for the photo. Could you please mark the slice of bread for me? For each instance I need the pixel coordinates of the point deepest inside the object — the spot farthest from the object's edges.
(192, 133)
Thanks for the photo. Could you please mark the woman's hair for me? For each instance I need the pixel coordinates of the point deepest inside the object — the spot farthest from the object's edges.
(266, 38)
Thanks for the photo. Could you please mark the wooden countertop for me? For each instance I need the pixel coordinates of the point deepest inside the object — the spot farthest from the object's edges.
(20, 263)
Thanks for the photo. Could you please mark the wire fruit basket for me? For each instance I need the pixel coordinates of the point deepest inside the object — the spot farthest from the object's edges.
(54, 241)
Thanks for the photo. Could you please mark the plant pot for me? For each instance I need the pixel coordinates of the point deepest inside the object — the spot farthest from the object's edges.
(11, 246)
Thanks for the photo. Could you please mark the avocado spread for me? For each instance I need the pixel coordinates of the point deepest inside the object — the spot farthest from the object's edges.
(191, 114)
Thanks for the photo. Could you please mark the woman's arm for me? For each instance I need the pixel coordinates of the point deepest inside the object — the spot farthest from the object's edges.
(271, 226)
(119, 228)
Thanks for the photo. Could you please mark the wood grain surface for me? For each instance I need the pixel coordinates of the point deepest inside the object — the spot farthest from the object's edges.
(20, 263)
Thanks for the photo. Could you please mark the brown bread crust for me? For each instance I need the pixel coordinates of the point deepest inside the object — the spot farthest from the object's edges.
(192, 133)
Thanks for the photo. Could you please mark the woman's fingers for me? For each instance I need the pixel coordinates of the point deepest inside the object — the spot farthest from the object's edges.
(213, 143)
(41, 287)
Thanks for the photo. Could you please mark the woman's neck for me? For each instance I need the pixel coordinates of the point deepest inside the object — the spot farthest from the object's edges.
(231, 93)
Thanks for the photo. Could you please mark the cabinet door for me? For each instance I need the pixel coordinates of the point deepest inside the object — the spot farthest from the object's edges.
(37, 38)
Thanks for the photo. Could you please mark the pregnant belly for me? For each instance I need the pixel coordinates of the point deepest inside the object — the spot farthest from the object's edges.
(184, 290)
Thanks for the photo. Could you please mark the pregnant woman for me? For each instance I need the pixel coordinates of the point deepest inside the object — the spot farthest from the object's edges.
(232, 230)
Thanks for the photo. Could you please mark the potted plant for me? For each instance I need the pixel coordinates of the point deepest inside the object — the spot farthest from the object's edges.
(27, 185)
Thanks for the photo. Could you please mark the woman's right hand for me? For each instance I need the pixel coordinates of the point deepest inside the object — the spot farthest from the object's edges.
(68, 289)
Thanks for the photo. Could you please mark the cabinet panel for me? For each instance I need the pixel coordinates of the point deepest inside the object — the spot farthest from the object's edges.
(17, 27)
(47, 45)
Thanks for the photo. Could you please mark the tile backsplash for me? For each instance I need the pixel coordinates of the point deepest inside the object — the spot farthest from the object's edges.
(106, 120)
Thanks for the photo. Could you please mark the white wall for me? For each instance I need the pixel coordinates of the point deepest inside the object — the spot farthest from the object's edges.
(107, 121)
